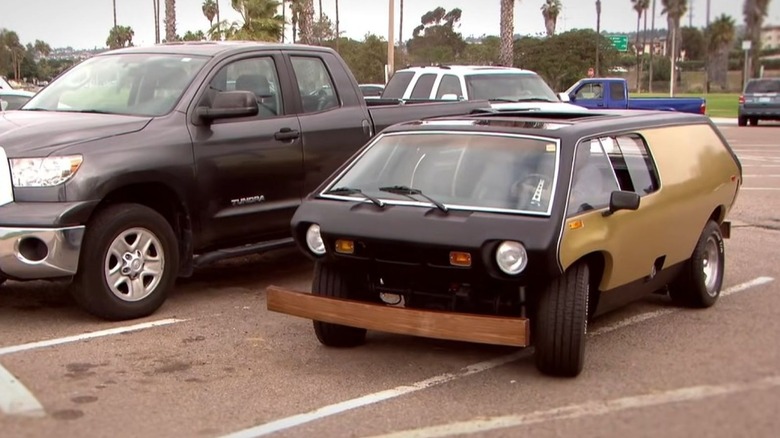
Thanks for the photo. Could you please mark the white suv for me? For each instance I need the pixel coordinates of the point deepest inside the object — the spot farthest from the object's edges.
(505, 87)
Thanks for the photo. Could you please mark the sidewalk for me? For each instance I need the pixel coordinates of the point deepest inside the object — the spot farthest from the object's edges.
(723, 121)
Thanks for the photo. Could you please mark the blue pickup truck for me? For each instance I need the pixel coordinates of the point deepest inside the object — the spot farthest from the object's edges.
(612, 93)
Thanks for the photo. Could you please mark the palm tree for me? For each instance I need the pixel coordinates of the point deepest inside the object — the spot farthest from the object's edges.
(507, 48)
(120, 36)
(720, 35)
(674, 10)
(550, 11)
(209, 9)
(170, 20)
(640, 6)
(755, 11)
(42, 48)
(260, 21)
(306, 21)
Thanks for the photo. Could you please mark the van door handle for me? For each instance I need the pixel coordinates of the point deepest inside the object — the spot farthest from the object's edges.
(286, 134)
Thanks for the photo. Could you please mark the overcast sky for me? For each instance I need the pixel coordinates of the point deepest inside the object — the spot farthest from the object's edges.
(85, 23)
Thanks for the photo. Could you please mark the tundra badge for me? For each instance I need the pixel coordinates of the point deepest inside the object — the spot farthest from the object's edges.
(247, 200)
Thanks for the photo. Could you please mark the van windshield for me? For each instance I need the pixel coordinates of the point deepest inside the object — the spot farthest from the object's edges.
(462, 170)
(132, 84)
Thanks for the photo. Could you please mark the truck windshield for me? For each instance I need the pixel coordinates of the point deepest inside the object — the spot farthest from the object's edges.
(132, 84)
(458, 170)
(514, 87)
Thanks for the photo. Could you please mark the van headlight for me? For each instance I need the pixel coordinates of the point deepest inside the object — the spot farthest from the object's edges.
(43, 172)
(511, 257)
(314, 240)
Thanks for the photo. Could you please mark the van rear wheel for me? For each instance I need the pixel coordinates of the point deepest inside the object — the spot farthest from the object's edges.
(699, 284)
(329, 282)
(561, 323)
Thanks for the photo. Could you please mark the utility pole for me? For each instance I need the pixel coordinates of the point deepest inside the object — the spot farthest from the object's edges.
(390, 40)
(690, 13)
(114, 13)
(708, 13)
(598, 36)
(652, 49)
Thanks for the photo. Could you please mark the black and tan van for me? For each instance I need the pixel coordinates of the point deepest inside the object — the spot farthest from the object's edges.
(516, 228)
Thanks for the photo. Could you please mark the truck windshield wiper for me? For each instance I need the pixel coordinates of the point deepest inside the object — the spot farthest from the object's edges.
(353, 191)
(410, 193)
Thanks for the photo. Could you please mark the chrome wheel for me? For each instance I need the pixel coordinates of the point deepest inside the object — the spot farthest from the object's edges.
(711, 266)
(134, 264)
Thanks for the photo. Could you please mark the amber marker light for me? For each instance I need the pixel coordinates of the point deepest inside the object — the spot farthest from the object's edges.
(576, 224)
(345, 246)
(459, 258)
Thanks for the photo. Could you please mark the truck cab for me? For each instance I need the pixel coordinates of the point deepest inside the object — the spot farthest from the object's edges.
(612, 93)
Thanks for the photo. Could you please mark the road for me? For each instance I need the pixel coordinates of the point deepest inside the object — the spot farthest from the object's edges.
(213, 362)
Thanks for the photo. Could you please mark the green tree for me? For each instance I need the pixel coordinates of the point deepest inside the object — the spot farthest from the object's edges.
(674, 10)
(15, 52)
(259, 22)
(720, 36)
(550, 11)
(693, 43)
(754, 12)
(194, 36)
(435, 39)
(209, 9)
(120, 36)
(483, 53)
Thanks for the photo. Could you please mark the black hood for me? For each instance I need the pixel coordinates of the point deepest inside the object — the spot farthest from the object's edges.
(41, 133)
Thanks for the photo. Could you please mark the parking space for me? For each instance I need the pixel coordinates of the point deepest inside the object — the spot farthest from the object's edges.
(213, 362)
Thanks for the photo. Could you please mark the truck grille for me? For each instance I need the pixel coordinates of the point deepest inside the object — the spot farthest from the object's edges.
(6, 189)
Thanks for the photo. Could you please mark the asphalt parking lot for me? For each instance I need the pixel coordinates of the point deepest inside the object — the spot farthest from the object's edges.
(214, 363)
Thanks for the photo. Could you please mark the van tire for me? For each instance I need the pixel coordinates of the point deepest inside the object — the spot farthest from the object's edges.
(111, 228)
(329, 282)
(700, 282)
(562, 322)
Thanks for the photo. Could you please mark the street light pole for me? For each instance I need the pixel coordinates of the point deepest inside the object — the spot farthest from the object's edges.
(598, 36)
(390, 41)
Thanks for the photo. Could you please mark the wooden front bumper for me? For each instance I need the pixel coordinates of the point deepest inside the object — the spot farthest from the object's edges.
(425, 323)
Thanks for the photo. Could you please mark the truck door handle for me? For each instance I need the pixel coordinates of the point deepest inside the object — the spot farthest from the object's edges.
(286, 134)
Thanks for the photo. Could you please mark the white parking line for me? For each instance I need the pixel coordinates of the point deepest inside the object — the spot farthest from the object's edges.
(588, 409)
(84, 336)
(347, 405)
(15, 399)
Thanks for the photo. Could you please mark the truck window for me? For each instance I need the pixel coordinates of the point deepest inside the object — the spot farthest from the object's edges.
(590, 91)
(257, 75)
(450, 84)
(315, 84)
(617, 92)
(396, 88)
(424, 86)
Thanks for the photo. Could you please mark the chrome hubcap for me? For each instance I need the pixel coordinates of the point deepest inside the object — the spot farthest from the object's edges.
(134, 264)
(711, 266)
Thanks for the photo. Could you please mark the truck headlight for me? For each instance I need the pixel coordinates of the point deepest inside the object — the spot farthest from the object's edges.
(511, 257)
(43, 172)
(314, 240)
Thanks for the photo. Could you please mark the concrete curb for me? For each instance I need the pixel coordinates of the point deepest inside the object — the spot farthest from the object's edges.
(723, 121)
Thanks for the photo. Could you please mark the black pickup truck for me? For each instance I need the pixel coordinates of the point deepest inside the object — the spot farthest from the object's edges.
(141, 164)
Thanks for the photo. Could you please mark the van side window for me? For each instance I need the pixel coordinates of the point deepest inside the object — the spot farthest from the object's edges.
(637, 163)
(593, 179)
(422, 89)
(450, 84)
(315, 84)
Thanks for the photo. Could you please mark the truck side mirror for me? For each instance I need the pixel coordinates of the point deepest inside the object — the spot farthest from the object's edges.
(229, 104)
(3, 105)
(622, 200)
(565, 97)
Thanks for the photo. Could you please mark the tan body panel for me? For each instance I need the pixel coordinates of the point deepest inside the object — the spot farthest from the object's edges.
(425, 323)
(697, 175)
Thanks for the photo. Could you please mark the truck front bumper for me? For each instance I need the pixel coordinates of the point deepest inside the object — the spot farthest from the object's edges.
(39, 253)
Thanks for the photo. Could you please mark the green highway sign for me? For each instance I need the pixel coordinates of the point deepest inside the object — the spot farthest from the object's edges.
(619, 42)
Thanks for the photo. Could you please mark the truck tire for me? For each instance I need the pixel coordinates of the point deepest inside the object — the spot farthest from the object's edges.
(700, 282)
(561, 323)
(329, 282)
(128, 263)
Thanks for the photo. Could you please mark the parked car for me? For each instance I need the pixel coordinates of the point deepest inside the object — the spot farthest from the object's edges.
(759, 101)
(13, 99)
(612, 93)
(506, 88)
(372, 91)
(514, 229)
(140, 164)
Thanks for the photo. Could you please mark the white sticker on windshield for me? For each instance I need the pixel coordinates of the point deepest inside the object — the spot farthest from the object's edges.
(186, 59)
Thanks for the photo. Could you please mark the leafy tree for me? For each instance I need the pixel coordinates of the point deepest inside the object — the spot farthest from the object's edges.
(483, 53)
(720, 36)
(550, 11)
(259, 22)
(194, 36)
(577, 47)
(674, 10)
(14, 52)
(120, 36)
(435, 39)
(693, 43)
(209, 9)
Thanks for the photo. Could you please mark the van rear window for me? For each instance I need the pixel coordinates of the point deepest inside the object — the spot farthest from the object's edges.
(763, 86)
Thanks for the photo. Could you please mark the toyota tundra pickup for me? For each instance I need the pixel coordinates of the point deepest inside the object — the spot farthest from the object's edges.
(141, 164)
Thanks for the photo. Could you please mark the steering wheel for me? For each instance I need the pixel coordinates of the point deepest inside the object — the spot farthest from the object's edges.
(530, 188)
